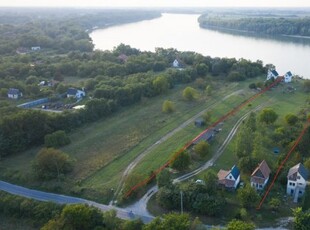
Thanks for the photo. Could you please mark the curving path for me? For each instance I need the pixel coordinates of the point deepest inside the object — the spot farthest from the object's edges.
(133, 164)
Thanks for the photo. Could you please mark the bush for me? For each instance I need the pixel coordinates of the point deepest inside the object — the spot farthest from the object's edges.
(56, 139)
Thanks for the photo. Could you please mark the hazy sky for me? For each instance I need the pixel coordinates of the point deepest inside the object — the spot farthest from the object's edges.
(158, 3)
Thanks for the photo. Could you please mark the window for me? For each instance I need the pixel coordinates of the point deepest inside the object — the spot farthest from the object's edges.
(300, 192)
(298, 177)
(229, 177)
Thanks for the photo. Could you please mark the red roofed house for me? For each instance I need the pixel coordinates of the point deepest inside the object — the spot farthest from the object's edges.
(229, 179)
(260, 176)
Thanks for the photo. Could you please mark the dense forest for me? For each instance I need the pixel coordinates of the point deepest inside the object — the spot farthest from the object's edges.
(294, 26)
(60, 31)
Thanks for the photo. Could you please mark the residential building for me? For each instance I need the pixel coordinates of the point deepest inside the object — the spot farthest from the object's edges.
(260, 176)
(296, 181)
(229, 179)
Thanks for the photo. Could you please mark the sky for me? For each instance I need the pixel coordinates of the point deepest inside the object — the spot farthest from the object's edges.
(156, 3)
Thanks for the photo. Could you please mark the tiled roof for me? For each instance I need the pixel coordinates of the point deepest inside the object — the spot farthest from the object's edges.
(300, 169)
(235, 172)
(262, 170)
(13, 91)
(275, 73)
(72, 91)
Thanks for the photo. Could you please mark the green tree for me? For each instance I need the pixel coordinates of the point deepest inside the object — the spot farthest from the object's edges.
(244, 142)
(168, 106)
(307, 163)
(171, 221)
(251, 122)
(202, 69)
(248, 196)
(306, 85)
(202, 148)
(268, 116)
(56, 139)
(163, 178)
(209, 90)
(181, 161)
(132, 225)
(190, 93)
(258, 151)
(206, 117)
(211, 181)
(240, 225)
(301, 219)
(274, 203)
(51, 163)
(161, 84)
(291, 119)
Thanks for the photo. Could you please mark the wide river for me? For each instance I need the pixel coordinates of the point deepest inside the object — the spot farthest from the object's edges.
(182, 32)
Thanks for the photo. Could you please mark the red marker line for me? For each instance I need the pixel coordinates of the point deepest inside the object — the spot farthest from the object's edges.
(282, 164)
(230, 113)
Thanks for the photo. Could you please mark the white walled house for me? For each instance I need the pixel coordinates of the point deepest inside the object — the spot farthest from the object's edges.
(288, 77)
(14, 93)
(229, 179)
(176, 63)
(272, 73)
(296, 181)
(260, 176)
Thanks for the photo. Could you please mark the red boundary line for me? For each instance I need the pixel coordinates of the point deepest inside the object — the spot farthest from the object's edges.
(282, 164)
(230, 113)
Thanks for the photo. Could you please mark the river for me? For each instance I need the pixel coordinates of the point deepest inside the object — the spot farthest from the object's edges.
(182, 32)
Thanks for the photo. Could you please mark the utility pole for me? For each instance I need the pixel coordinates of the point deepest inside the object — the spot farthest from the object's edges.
(181, 192)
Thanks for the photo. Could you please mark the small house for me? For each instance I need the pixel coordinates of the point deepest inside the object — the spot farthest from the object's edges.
(288, 77)
(297, 181)
(75, 93)
(205, 136)
(272, 73)
(123, 58)
(35, 48)
(229, 179)
(176, 63)
(14, 93)
(199, 122)
(260, 176)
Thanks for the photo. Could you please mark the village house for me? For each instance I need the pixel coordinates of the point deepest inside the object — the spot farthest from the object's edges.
(272, 73)
(260, 176)
(229, 179)
(14, 93)
(297, 181)
(75, 93)
(35, 48)
(288, 77)
(176, 63)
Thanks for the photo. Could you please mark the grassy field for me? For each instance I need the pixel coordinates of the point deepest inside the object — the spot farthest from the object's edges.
(103, 150)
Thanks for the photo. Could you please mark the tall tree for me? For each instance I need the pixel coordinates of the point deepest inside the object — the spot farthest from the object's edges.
(51, 163)
(268, 116)
(181, 161)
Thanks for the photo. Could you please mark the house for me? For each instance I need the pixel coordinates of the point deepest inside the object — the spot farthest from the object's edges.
(296, 181)
(176, 63)
(260, 176)
(199, 122)
(123, 58)
(206, 136)
(35, 48)
(72, 92)
(272, 73)
(14, 93)
(288, 77)
(229, 179)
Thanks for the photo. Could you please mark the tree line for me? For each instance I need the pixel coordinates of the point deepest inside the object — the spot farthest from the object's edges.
(265, 25)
